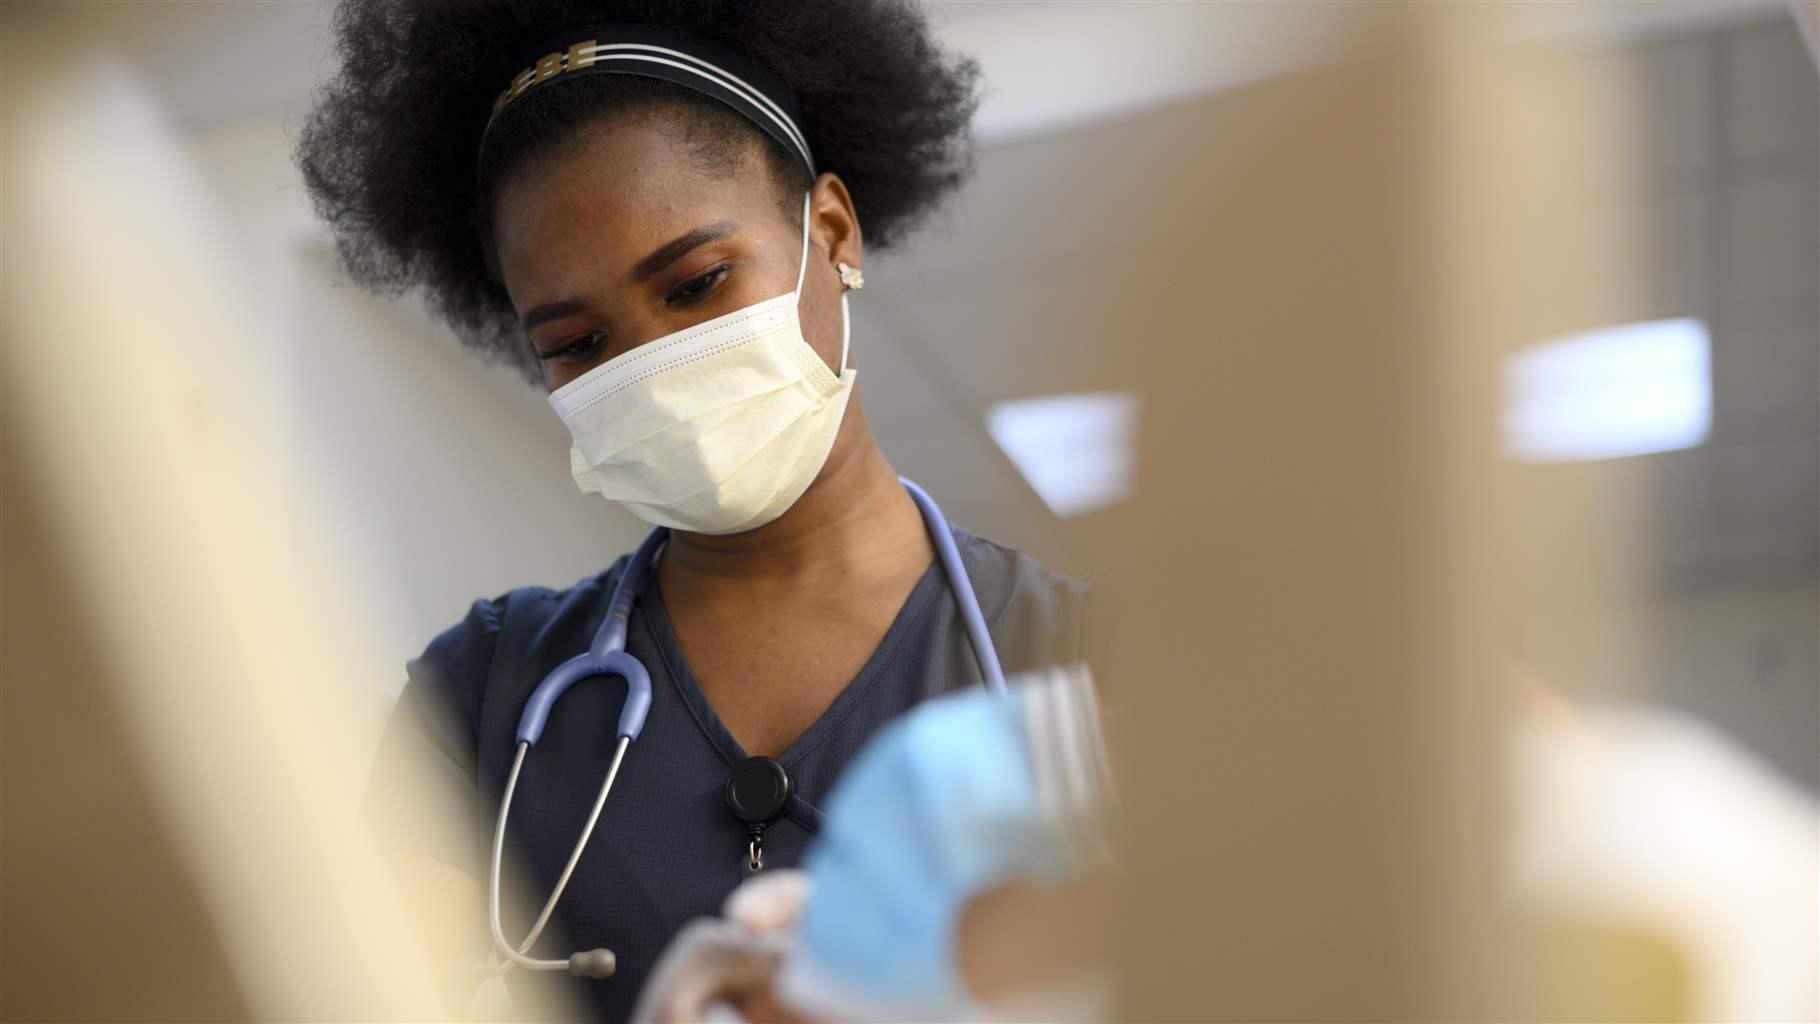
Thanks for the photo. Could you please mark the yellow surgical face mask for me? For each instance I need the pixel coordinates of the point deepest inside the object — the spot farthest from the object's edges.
(718, 428)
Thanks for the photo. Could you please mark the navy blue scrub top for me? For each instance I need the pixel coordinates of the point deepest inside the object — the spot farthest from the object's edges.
(666, 850)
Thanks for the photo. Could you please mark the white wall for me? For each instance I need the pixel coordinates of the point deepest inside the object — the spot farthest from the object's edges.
(449, 477)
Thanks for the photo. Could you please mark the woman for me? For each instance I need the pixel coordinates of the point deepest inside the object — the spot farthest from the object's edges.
(656, 210)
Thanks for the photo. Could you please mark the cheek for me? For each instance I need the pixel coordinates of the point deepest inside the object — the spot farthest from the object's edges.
(821, 317)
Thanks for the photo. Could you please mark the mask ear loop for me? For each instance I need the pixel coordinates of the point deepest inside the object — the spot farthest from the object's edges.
(802, 268)
(845, 323)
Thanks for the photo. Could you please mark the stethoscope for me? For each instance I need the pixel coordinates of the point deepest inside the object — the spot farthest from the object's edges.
(757, 789)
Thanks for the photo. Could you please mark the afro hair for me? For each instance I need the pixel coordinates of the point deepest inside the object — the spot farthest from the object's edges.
(390, 152)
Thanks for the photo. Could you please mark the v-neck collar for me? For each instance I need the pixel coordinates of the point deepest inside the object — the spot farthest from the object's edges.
(663, 634)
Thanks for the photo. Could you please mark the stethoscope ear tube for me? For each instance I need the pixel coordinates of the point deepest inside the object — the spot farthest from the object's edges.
(594, 963)
(606, 656)
(585, 666)
(961, 585)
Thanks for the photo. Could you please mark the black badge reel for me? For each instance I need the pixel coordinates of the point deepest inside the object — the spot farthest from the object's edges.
(757, 790)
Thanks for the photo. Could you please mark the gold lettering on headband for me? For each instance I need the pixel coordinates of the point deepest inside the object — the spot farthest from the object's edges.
(547, 67)
(522, 79)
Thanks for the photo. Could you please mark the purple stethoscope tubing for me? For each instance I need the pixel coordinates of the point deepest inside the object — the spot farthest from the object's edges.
(607, 655)
(962, 586)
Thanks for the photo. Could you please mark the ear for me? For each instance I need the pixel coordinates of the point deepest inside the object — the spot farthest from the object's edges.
(834, 227)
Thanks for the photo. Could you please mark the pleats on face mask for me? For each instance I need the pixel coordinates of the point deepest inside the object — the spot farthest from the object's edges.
(718, 428)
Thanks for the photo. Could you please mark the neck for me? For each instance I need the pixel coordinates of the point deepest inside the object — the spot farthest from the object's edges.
(856, 516)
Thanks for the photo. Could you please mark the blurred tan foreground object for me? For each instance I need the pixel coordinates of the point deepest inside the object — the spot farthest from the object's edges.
(1325, 554)
(183, 661)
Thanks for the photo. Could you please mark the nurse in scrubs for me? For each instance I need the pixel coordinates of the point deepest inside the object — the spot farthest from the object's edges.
(658, 211)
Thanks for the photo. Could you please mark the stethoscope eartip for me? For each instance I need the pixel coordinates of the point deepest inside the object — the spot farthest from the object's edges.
(595, 963)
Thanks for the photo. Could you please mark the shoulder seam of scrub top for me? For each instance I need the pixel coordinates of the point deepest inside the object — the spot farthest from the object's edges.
(968, 539)
(500, 606)
(436, 744)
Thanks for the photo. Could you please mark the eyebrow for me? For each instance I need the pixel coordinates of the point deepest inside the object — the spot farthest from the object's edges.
(649, 267)
(677, 248)
(552, 311)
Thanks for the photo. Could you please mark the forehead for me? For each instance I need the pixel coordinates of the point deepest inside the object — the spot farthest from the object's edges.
(615, 192)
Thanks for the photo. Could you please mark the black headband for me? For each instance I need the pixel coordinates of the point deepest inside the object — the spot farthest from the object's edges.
(631, 49)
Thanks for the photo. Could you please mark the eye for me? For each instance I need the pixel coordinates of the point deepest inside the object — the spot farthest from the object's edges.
(582, 348)
(697, 288)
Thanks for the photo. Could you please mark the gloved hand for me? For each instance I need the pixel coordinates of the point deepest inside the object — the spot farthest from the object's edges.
(715, 965)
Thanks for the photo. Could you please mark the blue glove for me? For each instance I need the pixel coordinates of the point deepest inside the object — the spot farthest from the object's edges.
(958, 796)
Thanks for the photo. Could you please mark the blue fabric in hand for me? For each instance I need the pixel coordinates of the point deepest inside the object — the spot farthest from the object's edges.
(960, 795)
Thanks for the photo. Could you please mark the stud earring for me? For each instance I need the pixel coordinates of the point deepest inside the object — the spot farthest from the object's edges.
(851, 277)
